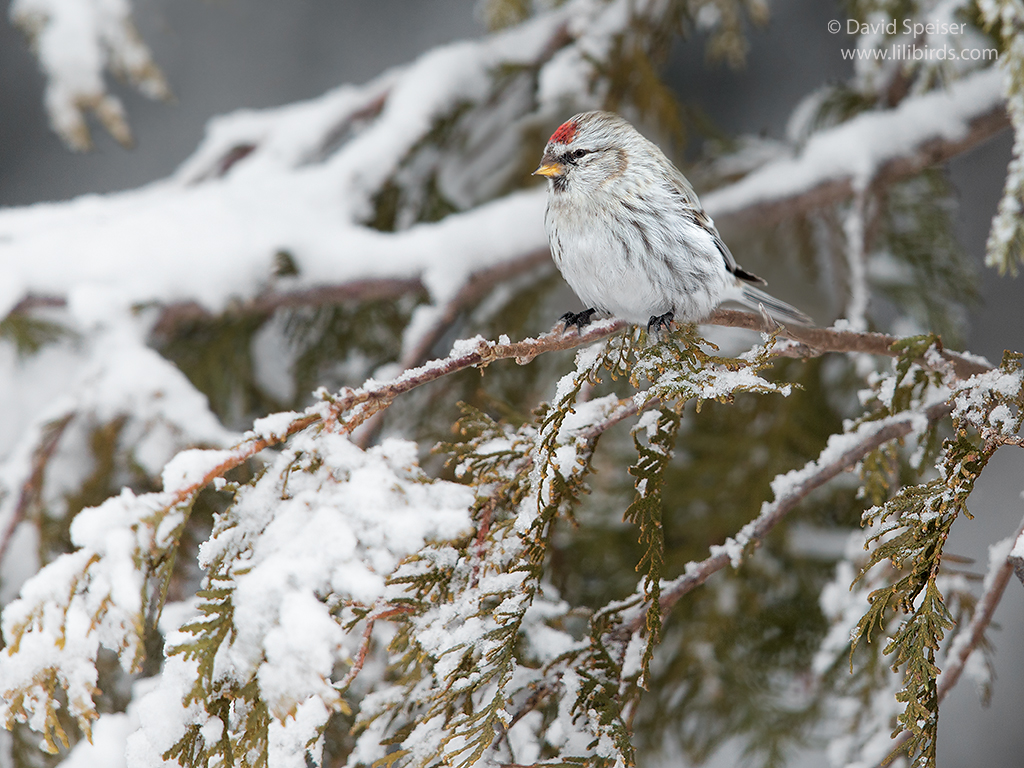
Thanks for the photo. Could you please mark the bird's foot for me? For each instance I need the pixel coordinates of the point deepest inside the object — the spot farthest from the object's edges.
(579, 319)
(658, 323)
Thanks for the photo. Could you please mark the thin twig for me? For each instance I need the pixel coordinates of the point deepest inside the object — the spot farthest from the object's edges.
(32, 487)
(381, 611)
(816, 341)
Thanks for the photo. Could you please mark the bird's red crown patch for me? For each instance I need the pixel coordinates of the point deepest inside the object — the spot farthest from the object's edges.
(564, 133)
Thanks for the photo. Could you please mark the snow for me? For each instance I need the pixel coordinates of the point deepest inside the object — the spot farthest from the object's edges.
(275, 426)
(209, 233)
(1018, 548)
(289, 740)
(190, 467)
(341, 529)
(974, 399)
(109, 377)
(159, 715)
(731, 548)
(227, 231)
(463, 347)
(106, 747)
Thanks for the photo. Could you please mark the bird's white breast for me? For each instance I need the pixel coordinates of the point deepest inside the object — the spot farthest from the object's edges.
(634, 265)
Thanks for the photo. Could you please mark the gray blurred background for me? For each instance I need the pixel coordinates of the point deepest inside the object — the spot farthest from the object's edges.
(220, 55)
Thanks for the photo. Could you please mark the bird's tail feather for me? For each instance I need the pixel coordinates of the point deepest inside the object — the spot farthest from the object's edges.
(779, 310)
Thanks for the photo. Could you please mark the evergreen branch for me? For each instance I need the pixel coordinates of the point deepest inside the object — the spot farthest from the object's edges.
(340, 412)
(653, 456)
(813, 475)
(374, 396)
(813, 341)
(967, 643)
(911, 532)
(760, 198)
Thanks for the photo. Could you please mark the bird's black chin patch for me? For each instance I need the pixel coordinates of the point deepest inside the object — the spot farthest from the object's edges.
(559, 183)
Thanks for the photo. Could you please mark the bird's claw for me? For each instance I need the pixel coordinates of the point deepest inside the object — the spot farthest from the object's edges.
(657, 323)
(579, 319)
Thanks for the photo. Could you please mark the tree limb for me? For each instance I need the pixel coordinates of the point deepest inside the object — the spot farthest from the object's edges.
(862, 153)
(375, 396)
(814, 475)
(815, 341)
(973, 635)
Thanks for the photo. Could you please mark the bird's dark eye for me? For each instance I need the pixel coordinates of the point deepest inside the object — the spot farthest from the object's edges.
(577, 154)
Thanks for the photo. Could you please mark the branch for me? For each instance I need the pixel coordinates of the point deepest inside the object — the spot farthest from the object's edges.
(816, 341)
(174, 316)
(375, 396)
(872, 149)
(380, 611)
(814, 474)
(32, 487)
(930, 153)
(812, 341)
(980, 621)
(973, 635)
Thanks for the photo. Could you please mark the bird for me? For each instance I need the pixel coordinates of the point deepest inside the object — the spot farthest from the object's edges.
(629, 235)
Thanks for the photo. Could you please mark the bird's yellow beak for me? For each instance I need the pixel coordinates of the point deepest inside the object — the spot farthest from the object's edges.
(550, 170)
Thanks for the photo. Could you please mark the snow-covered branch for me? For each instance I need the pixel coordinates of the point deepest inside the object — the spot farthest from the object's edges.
(77, 42)
(877, 147)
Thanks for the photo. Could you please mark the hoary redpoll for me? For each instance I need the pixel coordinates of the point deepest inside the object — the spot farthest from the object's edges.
(629, 235)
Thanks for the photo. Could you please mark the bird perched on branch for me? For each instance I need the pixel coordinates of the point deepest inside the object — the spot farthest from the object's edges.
(628, 233)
